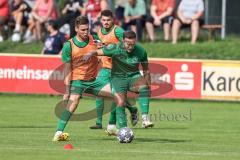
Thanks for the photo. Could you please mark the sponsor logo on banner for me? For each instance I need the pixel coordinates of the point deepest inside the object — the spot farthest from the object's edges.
(21, 74)
(221, 81)
(183, 76)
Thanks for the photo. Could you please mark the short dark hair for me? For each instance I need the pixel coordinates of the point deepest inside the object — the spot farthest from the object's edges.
(81, 20)
(53, 23)
(129, 34)
(107, 13)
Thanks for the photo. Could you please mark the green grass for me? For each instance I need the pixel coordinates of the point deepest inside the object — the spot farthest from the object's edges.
(225, 50)
(28, 123)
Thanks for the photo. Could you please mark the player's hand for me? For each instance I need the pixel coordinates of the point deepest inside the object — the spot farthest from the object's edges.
(99, 44)
(67, 80)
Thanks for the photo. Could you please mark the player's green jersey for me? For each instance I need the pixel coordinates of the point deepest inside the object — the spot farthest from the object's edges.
(124, 63)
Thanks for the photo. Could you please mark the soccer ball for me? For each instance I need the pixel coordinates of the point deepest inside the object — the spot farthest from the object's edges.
(16, 37)
(125, 135)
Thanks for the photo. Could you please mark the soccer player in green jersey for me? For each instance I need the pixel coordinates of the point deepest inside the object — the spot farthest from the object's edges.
(80, 75)
(125, 75)
(109, 33)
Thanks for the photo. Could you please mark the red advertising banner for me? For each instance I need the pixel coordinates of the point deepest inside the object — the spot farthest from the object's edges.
(183, 76)
(25, 74)
(36, 74)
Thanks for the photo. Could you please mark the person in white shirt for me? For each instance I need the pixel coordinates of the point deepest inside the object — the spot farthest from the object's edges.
(189, 13)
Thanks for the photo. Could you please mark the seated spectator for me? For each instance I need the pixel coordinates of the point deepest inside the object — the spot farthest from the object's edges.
(160, 14)
(20, 11)
(43, 11)
(189, 14)
(119, 11)
(55, 40)
(71, 10)
(93, 10)
(135, 14)
(4, 9)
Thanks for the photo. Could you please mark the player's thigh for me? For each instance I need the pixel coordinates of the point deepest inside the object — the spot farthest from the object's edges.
(105, 91)
(119, 85)
(136, 83)
(77, 87)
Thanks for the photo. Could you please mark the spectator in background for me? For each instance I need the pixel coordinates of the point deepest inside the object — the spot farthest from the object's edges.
(20, 11)
(4, 9)
(71, 10)
(55, 40)
(189, 13)
(135, 14)
(43, 11)
(161, 14)
(119, 11)
(93, 10)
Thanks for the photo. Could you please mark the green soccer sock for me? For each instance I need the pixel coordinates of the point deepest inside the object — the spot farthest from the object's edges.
(112, 118)
(121, 117)
(99, 108)
(143, 99)
(65, 116)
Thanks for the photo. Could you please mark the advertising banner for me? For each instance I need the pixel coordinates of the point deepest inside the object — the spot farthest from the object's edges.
(171, 78)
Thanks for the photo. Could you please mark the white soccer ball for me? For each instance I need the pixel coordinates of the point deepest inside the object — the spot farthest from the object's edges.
(125, 135)
(16, 37)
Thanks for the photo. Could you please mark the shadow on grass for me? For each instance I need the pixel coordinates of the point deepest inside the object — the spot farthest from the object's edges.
(27, 127)
(151, 140)
(166, 128)
(161, 140)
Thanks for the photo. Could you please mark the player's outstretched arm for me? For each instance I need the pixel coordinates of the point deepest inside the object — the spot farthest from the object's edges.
(90, 54)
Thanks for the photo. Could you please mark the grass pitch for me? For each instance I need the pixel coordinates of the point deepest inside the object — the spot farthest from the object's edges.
(183, 130)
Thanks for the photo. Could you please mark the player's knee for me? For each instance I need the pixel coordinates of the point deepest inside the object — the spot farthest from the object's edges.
(120, 102)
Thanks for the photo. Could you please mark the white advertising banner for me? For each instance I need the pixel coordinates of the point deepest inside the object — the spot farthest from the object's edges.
(221, 80)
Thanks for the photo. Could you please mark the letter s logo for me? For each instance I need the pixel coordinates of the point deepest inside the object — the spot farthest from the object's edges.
(184, 80)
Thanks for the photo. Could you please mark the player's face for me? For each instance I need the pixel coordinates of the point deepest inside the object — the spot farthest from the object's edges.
(82, 31)
(129, 44)
(107, 22)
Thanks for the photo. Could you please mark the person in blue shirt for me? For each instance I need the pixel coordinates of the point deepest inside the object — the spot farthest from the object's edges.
(55, 40)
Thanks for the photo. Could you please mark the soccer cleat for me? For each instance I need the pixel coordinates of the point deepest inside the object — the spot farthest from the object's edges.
(97, 126)
(147, 124)
(111, 130)
(60, 136)
(134, 117)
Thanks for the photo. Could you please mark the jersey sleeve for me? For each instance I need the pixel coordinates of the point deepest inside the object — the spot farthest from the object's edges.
(66, 52)
(119, 33)
(110, 50)
(144, 58)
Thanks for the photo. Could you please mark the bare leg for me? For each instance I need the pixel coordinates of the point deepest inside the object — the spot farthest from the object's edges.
(150, 31)
(175, 30)
(38, 30)
(166, 29)
(195, 31)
